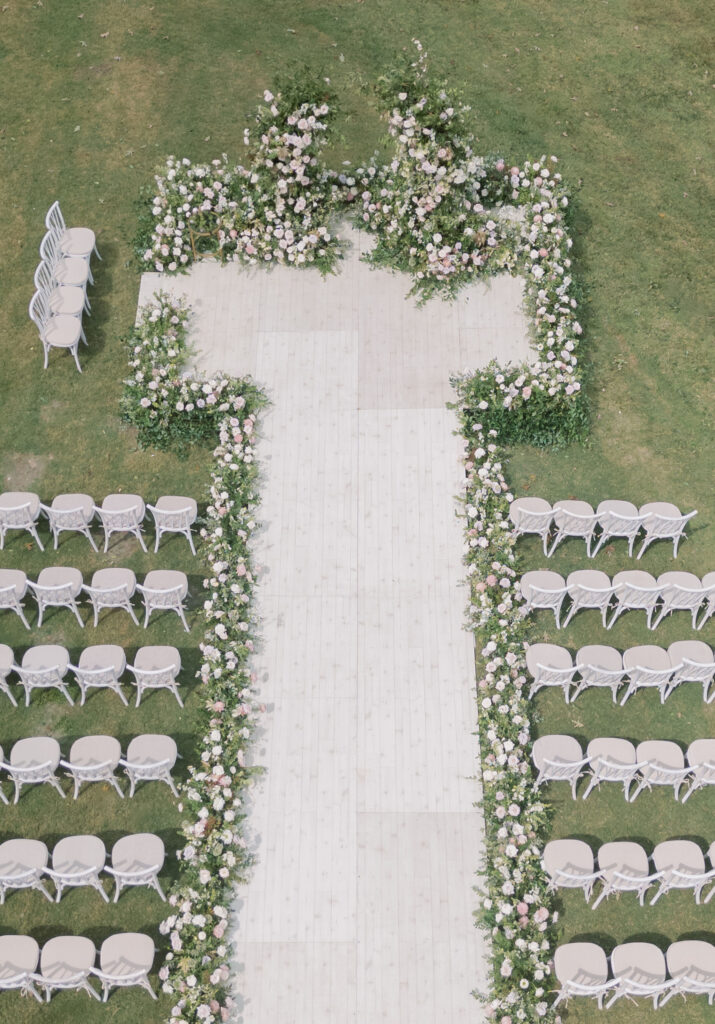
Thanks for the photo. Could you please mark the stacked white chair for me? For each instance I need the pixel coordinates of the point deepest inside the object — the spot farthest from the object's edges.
(56, 331)
(73, 512)
(71, 271)
(78, 243)
(13, 587)
(663, 521)
(19, 510)
(618, 519)
(574, 519)
(532, 515)
(174, 514)
(63, 299)
(624, 867)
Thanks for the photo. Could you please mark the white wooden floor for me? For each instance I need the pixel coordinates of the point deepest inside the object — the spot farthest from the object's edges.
(359, 908)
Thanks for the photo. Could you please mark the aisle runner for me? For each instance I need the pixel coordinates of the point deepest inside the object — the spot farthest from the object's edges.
(359, 908)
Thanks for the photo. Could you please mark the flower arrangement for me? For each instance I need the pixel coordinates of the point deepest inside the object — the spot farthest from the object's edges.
(214, 854)
(516, 905)
(275, 211)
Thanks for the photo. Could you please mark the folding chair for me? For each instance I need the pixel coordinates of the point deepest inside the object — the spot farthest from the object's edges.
(558, 759)
(612, 759)
(76, 862)
(664, 766)
(549, 665)
(647, 667)
(569, 864)
(164, 590)
(72, 512)
(44, 668)
(19, 510)
(682, 865)
(598, 666)
(531, 515)
(692, 662)
(174, 514)
(57, 587)
(624, 867)
(122, 513)
(635, 590)
(543, 588)
(574, 519)
(663, 521)
(589, 588)
(618, 519)
(13, 587)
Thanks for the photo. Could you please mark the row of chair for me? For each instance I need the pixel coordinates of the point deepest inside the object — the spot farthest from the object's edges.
(637, 970)
(60, 587)
(629, 590)
(100, 667)
(118, 513)
(642, 667)
(626, 867)
(150, 758)
(61, 284)
(559, 758)
(67, 962)
(659, 520)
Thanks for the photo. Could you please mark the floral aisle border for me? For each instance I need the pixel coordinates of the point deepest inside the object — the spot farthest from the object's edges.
(171, 408)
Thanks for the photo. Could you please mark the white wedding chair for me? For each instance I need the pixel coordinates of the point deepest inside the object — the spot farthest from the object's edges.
(76, 862)
(164, 590)
(122, 513)
(612, 759)
(549, 665)
(691, 965)
(708, 584)
(73, 271)
(150, 758)
(156, 668)
(7, 661)
(581, 968)
(19, 510)
(77, 242)
(693, 662)
(618, 519)
(588, 588)
(532, 515)
(34, 760)
(112, 588)
(94, 759)
(640, 971)
(56, 331)
(19, 955)
(701, 758)
(664, 766)
(681, 863)
(663, 521)
(635, 590)
(44, 667)
(125, 960)
(680, 592)
(65, 964)
(13, 587)
(569, 864)
(101, 667)
(63, 299)
(22, 863)
(174, 514)
(598, 666)
(647, 667)
(558, 759)
(542, 588)
(573, 519)
(57, 587)
(137, 860)
(624, 867)
(3, 764)
(73, 512)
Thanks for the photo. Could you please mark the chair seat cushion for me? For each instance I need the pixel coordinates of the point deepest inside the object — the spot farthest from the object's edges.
(16, 499)
(91, 750)
(76, 853)
(124, 503)
(108, 579)
(67, 300)
(71, 271)
(77, 241)
(45, 656)
(126, 954)
(150, 659)
(175, 503)
(138, 852)
(103, 656)
(65, 956)
(14, 578)
(20, 855)
(34, 751)
(166, 579)
(18, 954)
(59, 575)
(70, 502)
(62, 331)
(151, 748)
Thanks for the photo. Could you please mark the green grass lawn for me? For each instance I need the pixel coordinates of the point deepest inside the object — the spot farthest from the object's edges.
(94, 95)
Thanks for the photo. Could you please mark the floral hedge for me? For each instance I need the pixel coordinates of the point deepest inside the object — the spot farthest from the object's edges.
(167, 405)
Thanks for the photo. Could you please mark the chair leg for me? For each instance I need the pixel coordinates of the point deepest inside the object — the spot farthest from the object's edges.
(75, 356)
(175, 691)
(116, 785)
(90, 538)
(118, 690)
(40, 610)
(96, 252)
(141, 540)
(22, 616)
(193, 549)
(33, 531)
(131, 612)
(170, 783)
(180, 610)
(156, 542)
(82, 335)
(63, 689)
(75, 609)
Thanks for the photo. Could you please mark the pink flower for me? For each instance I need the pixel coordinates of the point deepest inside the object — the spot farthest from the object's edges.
(491, 580)
(526, 393)
(541, 914)
(522, 908)
(218, 705)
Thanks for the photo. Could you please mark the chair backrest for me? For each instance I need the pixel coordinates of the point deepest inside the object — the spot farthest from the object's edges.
(667, 527)
(44, 282)
(108, 596)
(40, 311)
(616, 525)
(56, 593)
(174, 519)
(50, 251)
(54, 221)
(17, 518)
(164, 598)
(633, 595)
(66, 518)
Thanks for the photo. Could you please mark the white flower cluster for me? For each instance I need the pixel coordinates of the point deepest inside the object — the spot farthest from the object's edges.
(214, 854)
(516, 905)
